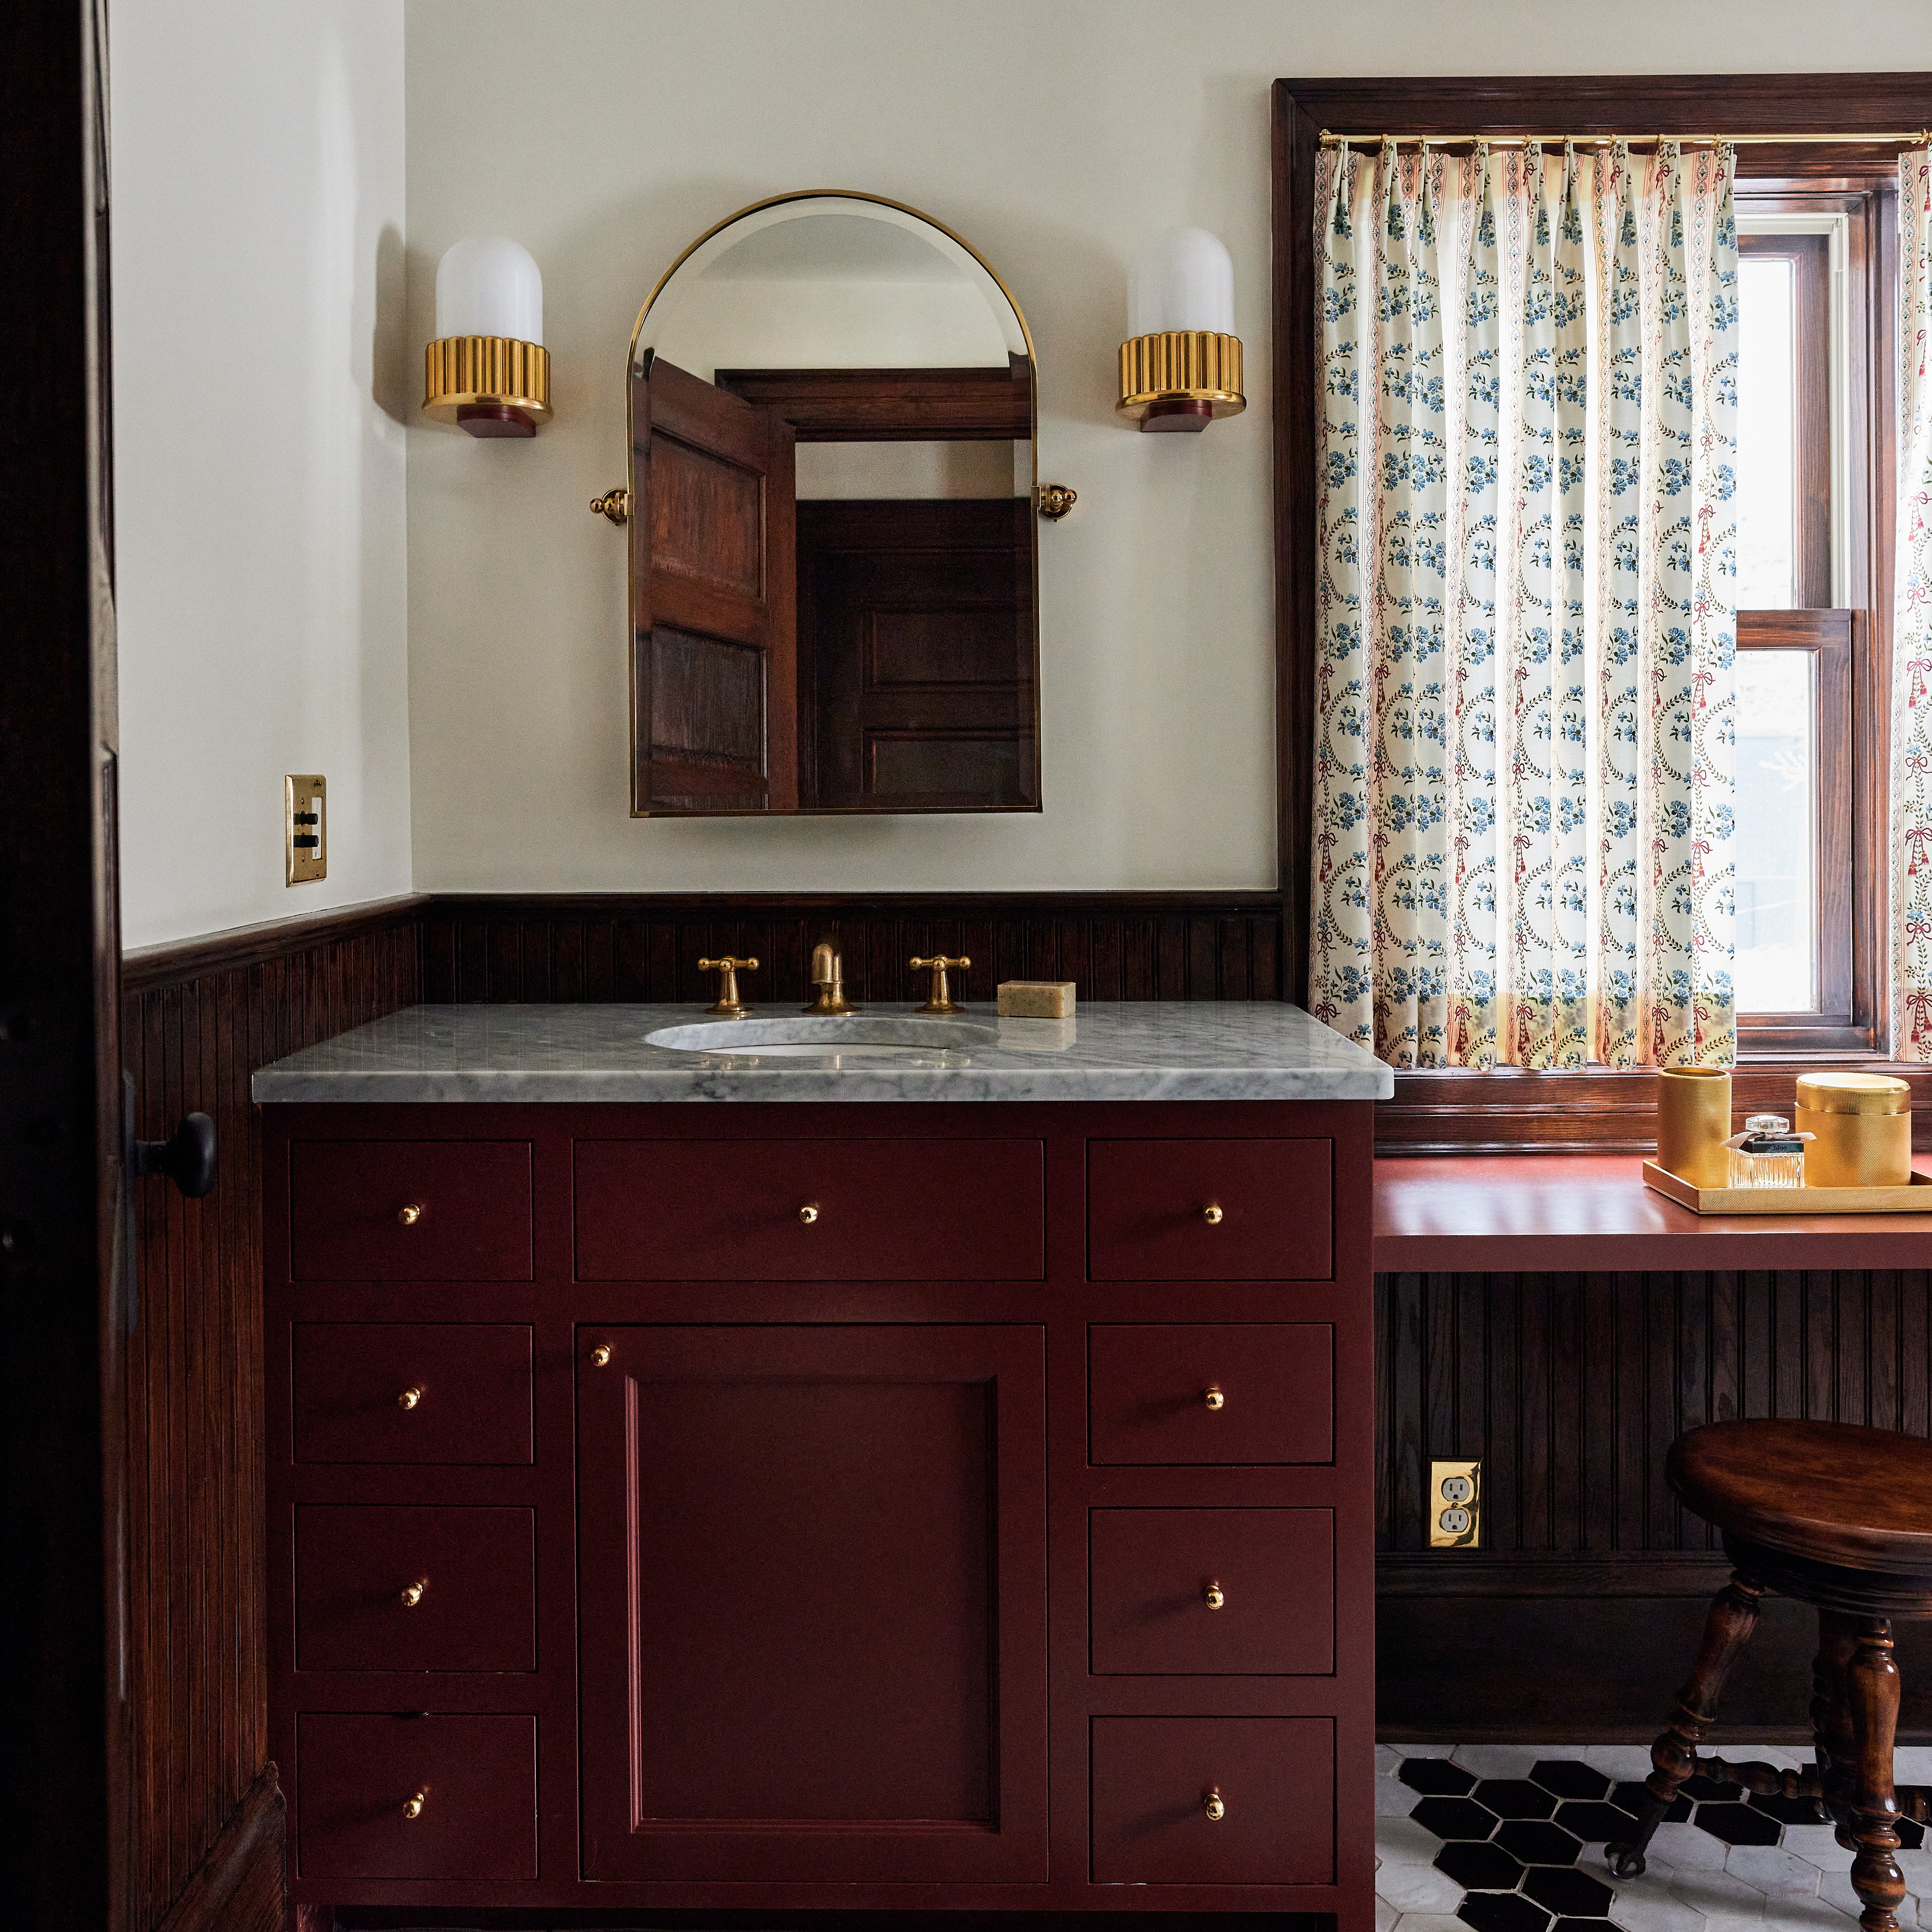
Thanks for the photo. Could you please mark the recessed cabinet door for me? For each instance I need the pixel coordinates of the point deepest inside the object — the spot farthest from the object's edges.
(813, 1602)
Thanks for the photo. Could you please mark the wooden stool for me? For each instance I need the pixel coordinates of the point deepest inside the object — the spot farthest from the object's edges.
(1837, 1517)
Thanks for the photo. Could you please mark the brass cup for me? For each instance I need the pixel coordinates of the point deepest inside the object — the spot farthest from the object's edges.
(1693, 1121)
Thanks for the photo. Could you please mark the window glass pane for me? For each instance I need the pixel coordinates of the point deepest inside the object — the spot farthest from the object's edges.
(1767, 433)
(1776, 832)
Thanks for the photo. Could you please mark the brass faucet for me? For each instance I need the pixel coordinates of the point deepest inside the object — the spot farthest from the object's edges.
(939, 1001)
(828, 975)
(729, 1006)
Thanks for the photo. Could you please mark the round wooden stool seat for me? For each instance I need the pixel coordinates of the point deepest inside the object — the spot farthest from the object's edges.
(1829, 1493)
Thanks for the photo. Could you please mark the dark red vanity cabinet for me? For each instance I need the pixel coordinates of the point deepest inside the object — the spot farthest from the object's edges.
(877, 1507)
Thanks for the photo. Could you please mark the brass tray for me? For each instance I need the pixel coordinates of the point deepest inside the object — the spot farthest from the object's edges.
(1915, 1198)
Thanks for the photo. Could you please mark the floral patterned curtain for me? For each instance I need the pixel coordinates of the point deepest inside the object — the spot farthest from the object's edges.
(1526, 631)
(1912, 625)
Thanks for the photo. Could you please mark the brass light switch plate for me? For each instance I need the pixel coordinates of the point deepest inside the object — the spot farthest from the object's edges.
(1455, 1505)
(305, 813)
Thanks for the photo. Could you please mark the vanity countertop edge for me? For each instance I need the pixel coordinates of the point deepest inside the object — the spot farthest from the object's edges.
(1195, 1050)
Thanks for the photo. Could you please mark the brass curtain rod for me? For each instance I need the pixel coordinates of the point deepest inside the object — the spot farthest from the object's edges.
(1330, 139)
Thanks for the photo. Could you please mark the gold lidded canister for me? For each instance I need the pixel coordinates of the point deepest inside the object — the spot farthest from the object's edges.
(1861, 1125)
(1693, 1121)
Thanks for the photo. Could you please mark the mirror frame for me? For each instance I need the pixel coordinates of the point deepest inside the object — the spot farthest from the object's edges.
(631, 497)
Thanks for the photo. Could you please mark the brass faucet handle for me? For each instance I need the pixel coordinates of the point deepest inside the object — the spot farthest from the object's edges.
(727, 969)
(940, 1000)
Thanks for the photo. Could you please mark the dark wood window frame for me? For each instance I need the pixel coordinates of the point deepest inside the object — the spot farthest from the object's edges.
(1463, 1110)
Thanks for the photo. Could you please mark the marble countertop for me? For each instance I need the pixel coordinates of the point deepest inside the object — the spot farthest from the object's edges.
(1218, 1050)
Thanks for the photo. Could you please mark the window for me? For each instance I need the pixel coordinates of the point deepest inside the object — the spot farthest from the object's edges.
(1815, 312)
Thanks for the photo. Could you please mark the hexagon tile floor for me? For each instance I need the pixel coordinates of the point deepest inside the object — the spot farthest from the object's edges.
(1510, 1838)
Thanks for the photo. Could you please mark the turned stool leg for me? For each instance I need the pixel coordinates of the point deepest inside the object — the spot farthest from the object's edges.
(1834, 1746)
(1732, 1618)
(1871, 1691)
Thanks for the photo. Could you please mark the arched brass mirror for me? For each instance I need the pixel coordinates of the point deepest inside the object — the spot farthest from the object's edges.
(832, 522)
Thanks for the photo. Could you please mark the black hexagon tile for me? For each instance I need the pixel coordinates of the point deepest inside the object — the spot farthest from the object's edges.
(1478, 1867)
(1514, 1798)
(1436, 1778)
(1631, 1797)
(1537, 1843)
(1568, 1778)
(1564, 1889)
(1739, 1825)
(1502, 1912)
(1454, 1818)
(1594, 1821)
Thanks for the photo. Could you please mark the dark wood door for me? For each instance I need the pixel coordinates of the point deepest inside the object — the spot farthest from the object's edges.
(66, 1687)
(714, 625)
(915, 625)
(813, 1593)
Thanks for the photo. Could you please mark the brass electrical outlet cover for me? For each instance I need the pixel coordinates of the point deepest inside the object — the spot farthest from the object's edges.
(1455, 1505)
(305, 826)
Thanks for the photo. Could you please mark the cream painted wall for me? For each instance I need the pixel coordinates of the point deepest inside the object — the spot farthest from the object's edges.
(607, 133)
(261, 385)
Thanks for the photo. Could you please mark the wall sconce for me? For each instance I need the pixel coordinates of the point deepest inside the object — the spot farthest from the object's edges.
(1181, 367)
(487, 371)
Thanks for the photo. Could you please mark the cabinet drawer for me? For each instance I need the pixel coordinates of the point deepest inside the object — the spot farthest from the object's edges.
(412, 1392)
(1151, 1390)
(1155, 1574)
(476, 1778)
(810, 1210)
(1150, 1205)
(1276, 1779)
(427, 1589)
(410, 1211)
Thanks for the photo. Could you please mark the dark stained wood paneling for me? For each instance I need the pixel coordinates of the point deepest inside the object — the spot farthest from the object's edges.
(894, 405)
(640, 947)
(1569, 1387)
(196, 1021)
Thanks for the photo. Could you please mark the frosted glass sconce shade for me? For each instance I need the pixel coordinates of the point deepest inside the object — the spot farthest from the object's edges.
(1181, 366)
(487, 371)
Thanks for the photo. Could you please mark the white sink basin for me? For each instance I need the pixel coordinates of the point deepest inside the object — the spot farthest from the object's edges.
(855, 1039)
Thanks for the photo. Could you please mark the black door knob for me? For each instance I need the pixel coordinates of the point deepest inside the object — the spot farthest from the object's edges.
(186, 1158)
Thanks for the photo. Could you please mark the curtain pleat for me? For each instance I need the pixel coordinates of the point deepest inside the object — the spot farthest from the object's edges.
(1523, 788)
(1912, 625)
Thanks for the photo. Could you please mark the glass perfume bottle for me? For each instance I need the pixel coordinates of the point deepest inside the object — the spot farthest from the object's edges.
(1768, 1154)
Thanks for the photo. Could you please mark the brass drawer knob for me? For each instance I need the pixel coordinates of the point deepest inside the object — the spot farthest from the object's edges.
(1213, 1596)
(408, 1398)
(807, 1214)
(600, 1356)
(1212, 1396)
(413, 1807)
(411, 1215)
(412, 1594)
(1212, 1216)
(1215, 1809)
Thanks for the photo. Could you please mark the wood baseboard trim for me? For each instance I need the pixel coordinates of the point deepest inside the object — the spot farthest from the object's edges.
(241, 1885)
(1457, 1573)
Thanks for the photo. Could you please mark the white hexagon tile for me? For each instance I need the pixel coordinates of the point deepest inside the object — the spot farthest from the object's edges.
(1510, 1838)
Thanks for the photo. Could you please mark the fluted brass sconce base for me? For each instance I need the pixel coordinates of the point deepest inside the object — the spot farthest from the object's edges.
(1180, 379)
(488, 384)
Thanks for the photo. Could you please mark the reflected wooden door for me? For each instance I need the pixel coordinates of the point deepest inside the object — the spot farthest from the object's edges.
(714, 676)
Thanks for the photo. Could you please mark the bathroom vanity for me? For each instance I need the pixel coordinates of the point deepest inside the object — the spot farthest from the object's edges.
(883, 1463)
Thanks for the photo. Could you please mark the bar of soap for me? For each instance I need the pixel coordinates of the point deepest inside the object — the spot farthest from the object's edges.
(1037, 999)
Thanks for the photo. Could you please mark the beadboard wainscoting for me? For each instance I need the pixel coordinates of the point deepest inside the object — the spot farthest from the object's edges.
(1580, 1614)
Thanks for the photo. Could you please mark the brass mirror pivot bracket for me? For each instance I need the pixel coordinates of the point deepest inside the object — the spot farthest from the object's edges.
(828, 975)
(615, 504)
(1181, 378)
(729, 1006)
(488, 384)
(1055, 500)
(939, 1001)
